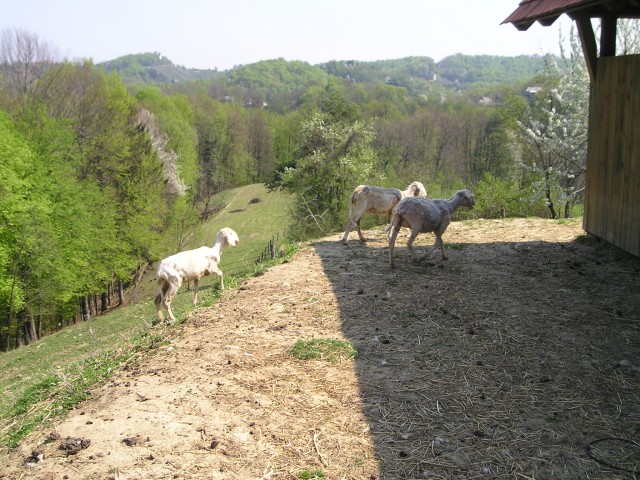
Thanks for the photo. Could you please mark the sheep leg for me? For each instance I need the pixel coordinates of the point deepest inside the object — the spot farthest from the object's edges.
(167, 304)
(440, 244)
(159, 299)
(353, 222)
(355, 214)
(362, 239)
(196, 286)
(346, 233)
(412, 237)
(216, 271)
(171, 292)
(158, 302)
(392, 242)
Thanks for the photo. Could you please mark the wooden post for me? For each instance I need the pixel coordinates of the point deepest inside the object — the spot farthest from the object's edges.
(608, 36)
(589, 47)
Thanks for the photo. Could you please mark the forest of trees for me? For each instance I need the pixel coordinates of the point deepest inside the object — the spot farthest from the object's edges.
(102, 176)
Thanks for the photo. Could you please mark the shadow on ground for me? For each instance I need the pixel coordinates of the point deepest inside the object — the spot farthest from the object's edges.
(504, 361)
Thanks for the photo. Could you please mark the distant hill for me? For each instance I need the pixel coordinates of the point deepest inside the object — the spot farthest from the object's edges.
(153, 68)
(461, 70)
(277, 76)
(456, 69)
(267, 81)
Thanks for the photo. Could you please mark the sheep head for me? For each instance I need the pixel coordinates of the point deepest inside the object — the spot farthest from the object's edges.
(468, 198)
(418, 189)
(228, 237)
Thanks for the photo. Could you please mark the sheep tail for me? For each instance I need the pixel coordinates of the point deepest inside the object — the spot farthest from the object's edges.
(394, 219)
(352, 203)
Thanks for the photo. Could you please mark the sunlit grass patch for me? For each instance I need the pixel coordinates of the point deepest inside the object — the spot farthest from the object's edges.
(311, 474)
(329, 349)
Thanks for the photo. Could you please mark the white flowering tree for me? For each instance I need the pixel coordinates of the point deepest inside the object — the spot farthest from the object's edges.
(555, 129)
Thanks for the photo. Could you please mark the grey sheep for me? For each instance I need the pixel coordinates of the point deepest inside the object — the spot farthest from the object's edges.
(423, 215)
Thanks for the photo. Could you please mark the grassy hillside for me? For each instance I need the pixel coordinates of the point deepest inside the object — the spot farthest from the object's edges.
(71, 360)
(254, 213)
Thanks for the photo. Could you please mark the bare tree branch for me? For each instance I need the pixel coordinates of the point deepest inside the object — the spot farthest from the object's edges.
(24, 59)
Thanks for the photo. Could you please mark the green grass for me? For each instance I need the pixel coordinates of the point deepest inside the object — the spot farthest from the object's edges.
(311, 474)
(571, 220)
(50, 376)
(329, 349)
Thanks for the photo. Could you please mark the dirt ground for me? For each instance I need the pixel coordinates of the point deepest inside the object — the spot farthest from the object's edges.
(505, 361)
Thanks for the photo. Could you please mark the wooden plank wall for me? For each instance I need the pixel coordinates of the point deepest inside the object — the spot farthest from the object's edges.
(612, 194)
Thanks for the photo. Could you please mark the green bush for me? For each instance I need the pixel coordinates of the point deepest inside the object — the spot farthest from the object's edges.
(497, 198)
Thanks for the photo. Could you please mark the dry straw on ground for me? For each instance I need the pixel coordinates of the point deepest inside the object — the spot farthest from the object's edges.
(504, 361)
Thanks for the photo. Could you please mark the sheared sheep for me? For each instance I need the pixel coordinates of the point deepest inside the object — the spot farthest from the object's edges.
(190, 265)
(423, 215)
(378, 200)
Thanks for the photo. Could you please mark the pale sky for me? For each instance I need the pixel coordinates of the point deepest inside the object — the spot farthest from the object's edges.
(221, 34)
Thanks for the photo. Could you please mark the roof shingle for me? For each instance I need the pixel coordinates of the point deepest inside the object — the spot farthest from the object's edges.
(544, 11)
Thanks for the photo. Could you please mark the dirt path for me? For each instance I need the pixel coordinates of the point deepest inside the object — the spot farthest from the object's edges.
(504, 361)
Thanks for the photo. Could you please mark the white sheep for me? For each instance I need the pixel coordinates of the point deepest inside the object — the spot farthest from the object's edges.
(378, 200)
(423, 215)
(190, 265)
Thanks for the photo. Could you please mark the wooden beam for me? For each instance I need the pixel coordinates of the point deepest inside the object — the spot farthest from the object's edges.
(608, 35)
(589, 47)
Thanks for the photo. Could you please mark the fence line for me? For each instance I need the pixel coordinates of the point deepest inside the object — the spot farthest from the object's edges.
(269, 252)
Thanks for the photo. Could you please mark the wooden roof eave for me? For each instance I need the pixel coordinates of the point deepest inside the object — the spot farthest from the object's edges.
(585, 31)
(545, 21)
(582, 13)
(588, 41)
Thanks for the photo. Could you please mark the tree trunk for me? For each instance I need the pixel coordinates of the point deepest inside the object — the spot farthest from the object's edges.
(4, 340)
(31, 329)
(103, 302)
(120, 293)
(84, 308)
(552, 210)
(547, 193)
(39, 325)
(11, 313)
(19, 327)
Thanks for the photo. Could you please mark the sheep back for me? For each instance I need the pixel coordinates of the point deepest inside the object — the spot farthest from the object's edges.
(423, 214)
(377, 200)
(189, 264)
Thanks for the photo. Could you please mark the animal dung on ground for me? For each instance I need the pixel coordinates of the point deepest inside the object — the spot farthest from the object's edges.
(132, 441)
(74, 445)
